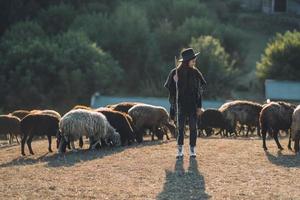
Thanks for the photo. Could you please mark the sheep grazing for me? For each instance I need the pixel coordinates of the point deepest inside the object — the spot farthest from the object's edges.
(295, 129)
(80, 122)
(273, 117)
(119, 121)
(38, 124)
(20, 113)
(244, 112)
(209, 119)
(123, 106)
(150, 117)
(10, 125)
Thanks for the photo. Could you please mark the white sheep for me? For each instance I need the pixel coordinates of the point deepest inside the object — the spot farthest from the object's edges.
(81, 122)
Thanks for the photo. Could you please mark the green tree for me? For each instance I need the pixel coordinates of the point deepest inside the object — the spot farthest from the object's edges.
(215, 65)
(280, 59)
(53, 72)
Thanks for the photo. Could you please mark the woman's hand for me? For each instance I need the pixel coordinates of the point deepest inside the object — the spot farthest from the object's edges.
(199, 111)
(175, 78)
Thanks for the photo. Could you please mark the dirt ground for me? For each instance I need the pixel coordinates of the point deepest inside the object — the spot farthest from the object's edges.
(234, 168)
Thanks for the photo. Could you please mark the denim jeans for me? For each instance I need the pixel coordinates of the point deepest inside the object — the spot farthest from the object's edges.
(192, 118)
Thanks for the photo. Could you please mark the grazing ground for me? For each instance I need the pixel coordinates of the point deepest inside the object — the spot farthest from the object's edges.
(224, 169)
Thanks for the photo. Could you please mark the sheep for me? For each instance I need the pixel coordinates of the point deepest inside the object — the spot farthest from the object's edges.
(81, 107)
(119, 121)
(20, 113)
(295, 129)
(244, 112)
(273, 117)
(48, 112)
(77, 123)
(38, 124)
(150, 117)
(123, 106)
(10, 125)
(211, 118)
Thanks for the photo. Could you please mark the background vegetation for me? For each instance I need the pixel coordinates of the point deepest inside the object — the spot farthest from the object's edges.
(58, 53)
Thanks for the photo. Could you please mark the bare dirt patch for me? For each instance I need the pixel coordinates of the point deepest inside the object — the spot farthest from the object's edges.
(224, 169)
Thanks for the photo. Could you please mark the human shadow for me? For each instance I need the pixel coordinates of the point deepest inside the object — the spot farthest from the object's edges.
(181, 184)
(70, 158)
(284, 160)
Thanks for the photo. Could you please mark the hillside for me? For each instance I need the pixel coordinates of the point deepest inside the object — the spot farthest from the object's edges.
(224, 169)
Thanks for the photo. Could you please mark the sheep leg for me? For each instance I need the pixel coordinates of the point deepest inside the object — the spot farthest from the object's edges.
(289, 145)
(80, 142)
(29, 144)
(17, 139)
(166, 132)
(264, 134)
(10, 141)
(23, 144)
(258, 130)
(152, 131)
(49, 142)
(275, 135)
(296, 145)
(73, 146)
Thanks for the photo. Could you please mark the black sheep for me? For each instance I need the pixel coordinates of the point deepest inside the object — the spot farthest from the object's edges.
(209, 119)
(119, 121)
(37, 124)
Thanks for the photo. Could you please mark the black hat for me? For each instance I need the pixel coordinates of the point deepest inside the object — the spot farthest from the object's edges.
(188, 54)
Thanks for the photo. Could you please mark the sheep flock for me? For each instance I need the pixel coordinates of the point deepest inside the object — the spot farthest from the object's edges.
(127, 123)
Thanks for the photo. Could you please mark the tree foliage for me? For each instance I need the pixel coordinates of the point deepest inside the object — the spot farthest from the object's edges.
(78, 47)
(214, 63)
(280, 59)
(53, 71)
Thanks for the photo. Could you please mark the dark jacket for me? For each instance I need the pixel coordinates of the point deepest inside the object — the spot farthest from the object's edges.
(190, 82)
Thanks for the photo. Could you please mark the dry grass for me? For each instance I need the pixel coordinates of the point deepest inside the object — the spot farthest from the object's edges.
(223, 169)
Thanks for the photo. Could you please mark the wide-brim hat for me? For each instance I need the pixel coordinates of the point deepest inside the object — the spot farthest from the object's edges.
(188, 54)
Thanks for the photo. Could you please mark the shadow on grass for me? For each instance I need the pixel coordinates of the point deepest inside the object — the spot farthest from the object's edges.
(284, 160)
(181, 184)
(70, 158)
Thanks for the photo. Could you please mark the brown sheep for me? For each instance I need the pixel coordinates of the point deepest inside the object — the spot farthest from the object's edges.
(273, 117)
(38, 124)
(10, 125)
(20, 113)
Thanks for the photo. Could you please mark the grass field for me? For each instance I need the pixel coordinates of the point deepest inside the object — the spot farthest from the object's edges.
(224, 169)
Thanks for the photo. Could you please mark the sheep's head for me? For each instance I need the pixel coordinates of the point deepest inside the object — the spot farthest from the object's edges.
(113, 137)
(61, 142)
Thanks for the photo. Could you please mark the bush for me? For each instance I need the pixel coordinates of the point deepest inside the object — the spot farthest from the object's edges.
(280, 59)
(54, 72)
(215, 65)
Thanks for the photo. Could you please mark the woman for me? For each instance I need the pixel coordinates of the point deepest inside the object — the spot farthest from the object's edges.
(189, 81)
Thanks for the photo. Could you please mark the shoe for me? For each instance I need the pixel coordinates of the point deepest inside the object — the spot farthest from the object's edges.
(180, 151)
(192, 152)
